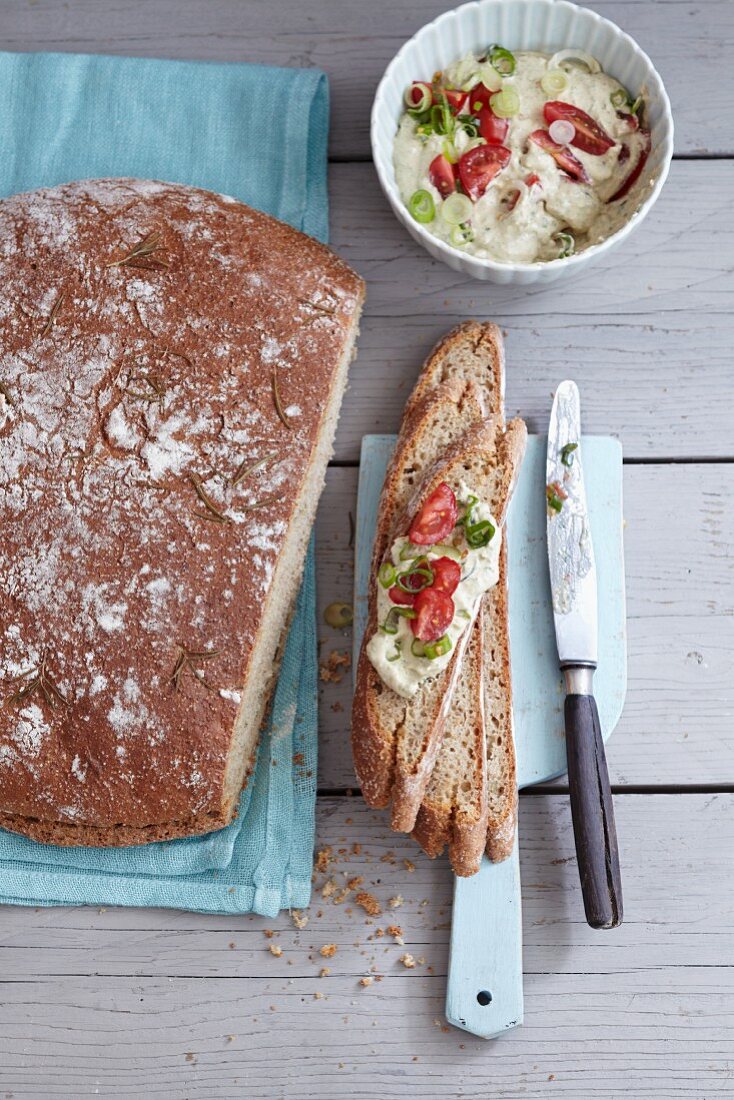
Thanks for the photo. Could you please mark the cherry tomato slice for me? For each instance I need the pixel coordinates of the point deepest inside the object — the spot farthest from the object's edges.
(636, 172)
(453, 98)
(493, 129)
(563, 157)
(479, 166)
(405, 599)
(441, 175)
(589, 136)
(434, 615)
(436, 519)
(446, 575)
(479, 94)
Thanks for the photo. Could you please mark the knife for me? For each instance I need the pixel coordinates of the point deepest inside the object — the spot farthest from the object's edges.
(573, 588)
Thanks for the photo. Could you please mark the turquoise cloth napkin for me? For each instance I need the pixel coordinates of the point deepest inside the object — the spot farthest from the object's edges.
(259, 134)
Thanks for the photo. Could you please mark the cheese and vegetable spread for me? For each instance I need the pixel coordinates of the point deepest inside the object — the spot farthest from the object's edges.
(521, 157)
(429, 589)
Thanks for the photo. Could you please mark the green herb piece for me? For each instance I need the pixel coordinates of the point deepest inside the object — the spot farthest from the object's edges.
(469, 506)
(386, 574)
(422, 207)
(423, 574)
(339, 615)
(461, 235)
(566, 245)
(479, 534)
(555, 496)
(390, 625)
(567, 453)
(396, 654)
(439, 648)
(501, 60)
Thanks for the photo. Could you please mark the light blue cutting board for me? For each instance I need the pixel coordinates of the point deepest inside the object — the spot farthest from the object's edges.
(484, 993)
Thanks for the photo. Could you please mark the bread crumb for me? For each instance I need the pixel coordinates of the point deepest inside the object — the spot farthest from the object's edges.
(328, 950)
(333, 667)
(231, 1038)
(318, 996)
(396, 902)
(356, 848)
(369, 903)
(276, 949)
(396, 932)
(231, 945)
(328, 888)
(367, 980)
(337, 707)
(323, 859)
(299, 919)
(551, 1076)
(355, 882)
(409, 866)
(268, 932)
(325, 971)
(408, 961)
(190, 1057)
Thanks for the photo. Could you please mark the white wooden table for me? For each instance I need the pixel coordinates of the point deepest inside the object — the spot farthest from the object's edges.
(126, 1003)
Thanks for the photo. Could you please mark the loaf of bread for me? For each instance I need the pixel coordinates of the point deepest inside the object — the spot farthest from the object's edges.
(172, 364)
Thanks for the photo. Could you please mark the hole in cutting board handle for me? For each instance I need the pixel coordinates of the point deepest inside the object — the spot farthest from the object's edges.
(484, 997)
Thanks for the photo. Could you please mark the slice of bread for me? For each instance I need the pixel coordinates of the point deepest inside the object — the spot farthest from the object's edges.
(473, 352)
(396, 740)
(471, 799)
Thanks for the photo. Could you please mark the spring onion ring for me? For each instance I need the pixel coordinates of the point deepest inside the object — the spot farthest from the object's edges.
(439, 648)
(386, 574)
(422, 207)
(390, 625)
(456, 208)
(506, 103)
(566, 244)
(575, 57)
(501, 60)
(554, 82)
(425, 100)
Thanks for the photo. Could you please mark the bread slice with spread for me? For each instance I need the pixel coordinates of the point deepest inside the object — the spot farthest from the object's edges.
(404, 738)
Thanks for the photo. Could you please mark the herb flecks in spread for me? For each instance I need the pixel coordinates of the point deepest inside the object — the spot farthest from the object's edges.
(428, 592)
(521, 157)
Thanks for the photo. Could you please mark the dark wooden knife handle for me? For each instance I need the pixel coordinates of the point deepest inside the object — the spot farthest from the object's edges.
(593, 813)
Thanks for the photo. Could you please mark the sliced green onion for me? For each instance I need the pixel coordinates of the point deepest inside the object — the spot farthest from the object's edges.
(425, 100)
(479, 534)
(567, 453)
(386, 574)
(339, 615)
(489, 77)
(422, 572)
(636, 107)
(461, 235)
(502, 60)
(553, 497)
(449, 151)
(566, 245)
(456, 208)
(464, 614)
(619, 98)
(417, 648)
(409, 551)
(441, 118)
(554, 82)
(390, 625)
(396, 655)
(446, 550)
(439, 648)
(506, 103)
(469, 505)
(575, 57)
(422, 207)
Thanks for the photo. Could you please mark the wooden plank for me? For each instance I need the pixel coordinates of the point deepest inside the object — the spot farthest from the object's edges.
(647, 334)
(353, 42)
(679, 547)
(129, 1003)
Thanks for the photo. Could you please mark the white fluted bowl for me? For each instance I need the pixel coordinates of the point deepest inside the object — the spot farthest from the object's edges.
(548, 26)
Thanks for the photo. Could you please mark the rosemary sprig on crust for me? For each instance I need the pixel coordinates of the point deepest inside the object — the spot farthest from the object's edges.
(143, 254)
(244, 470)
(190, 658)
(52, 315)
(155, 384)
(282, 415)
(207, 501)
(315, 305)
(38, 680)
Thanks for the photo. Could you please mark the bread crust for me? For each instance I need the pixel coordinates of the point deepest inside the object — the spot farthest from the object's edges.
(154, 339)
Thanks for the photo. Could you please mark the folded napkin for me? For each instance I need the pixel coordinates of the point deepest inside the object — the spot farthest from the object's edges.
(259, 134)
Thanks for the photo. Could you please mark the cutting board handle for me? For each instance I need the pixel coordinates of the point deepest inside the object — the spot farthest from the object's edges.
(484, 994)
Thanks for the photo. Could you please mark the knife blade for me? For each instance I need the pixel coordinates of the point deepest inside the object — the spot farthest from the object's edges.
(574, 594)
